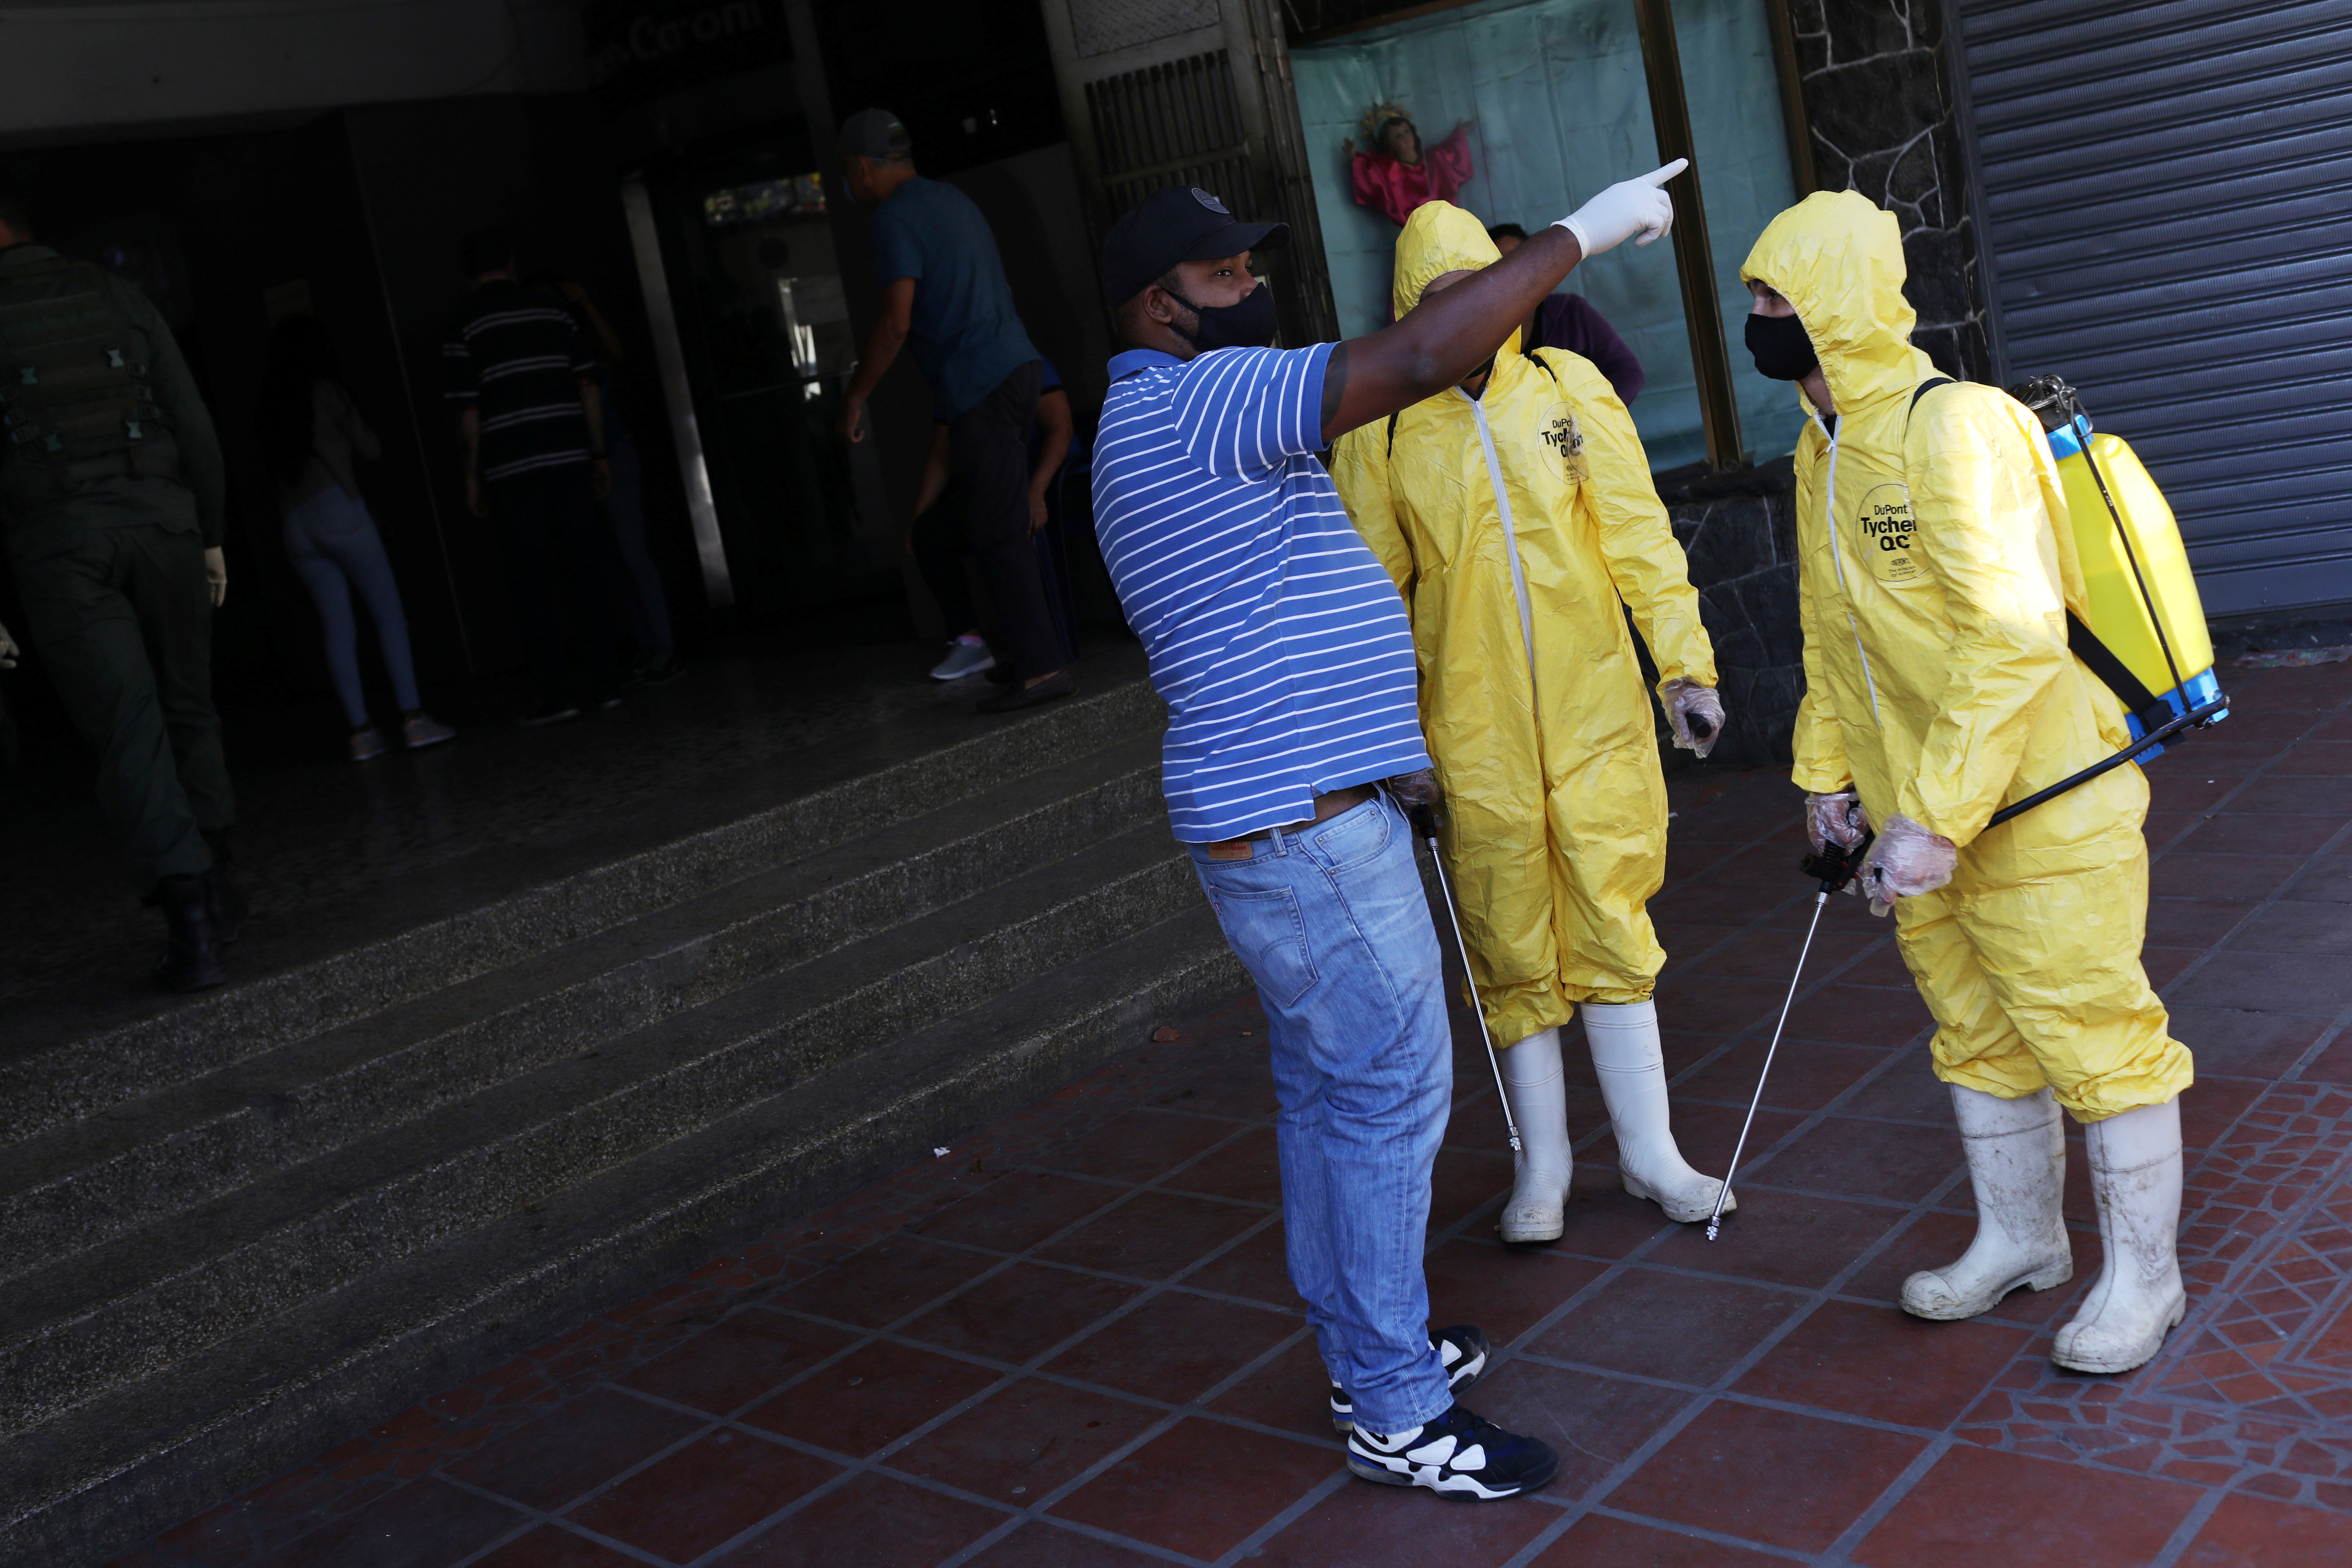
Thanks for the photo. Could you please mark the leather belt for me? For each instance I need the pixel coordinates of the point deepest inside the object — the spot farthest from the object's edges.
(1326, 808)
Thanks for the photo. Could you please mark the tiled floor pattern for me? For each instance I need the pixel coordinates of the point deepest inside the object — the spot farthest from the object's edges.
(1069, 1341)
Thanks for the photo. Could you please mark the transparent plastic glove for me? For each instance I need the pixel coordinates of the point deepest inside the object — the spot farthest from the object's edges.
(1627, 208)
(1695, 712)
(9, 652)
(1410, 790)
(1906, 860)
(1835, 820)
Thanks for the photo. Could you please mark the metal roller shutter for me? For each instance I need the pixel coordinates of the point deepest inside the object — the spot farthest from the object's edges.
(2165, 194)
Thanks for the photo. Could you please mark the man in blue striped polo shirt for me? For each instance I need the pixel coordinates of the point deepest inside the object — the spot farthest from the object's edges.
(1286, 663)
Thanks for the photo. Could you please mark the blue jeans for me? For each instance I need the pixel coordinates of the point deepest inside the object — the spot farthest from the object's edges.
(334, 544)
(1331, 924)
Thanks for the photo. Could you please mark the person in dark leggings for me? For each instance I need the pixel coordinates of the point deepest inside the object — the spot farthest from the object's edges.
(939, 537)
(310, 429)
(943, 286)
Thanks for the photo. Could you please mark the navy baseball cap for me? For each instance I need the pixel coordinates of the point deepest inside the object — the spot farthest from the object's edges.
(1183, 223)
(874, 134)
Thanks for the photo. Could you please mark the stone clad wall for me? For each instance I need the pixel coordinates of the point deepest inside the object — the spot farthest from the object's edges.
(1879, 98)
(1739, 532)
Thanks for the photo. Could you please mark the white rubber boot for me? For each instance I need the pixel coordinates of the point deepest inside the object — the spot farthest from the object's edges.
(1538, 1092)
(2135, 1175)
(1632, 1066)
(2017, 1164)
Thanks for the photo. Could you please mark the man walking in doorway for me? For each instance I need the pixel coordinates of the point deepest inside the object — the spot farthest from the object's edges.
(523, 382)
(943, 286)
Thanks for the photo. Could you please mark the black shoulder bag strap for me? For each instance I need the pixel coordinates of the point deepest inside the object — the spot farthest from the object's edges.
(1924, 387)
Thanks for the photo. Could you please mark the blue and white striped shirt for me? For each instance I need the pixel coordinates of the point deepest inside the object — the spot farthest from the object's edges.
(1278, 642)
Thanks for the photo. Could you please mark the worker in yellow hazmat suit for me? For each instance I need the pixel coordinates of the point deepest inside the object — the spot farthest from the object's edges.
(1936, 569)
(1514, 512)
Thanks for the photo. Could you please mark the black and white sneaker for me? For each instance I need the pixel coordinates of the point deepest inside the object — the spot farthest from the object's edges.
(1463, 1349)
(1459, 1454)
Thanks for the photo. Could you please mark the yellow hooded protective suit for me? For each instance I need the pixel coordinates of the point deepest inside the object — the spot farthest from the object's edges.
(1531, 695)
(1934, 571)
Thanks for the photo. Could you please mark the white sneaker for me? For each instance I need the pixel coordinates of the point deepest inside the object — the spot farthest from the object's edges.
(2017, 1165)
(424, 730)
(1537, 1092)
(2135, 1175)
(1631, 1063)
(966, 656)
(368, 743)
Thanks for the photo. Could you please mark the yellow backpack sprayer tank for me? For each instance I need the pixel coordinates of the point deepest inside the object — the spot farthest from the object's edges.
(2144, 608)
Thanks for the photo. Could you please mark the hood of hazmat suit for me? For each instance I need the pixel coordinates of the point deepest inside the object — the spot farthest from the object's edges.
(1936, 568)
(1519, 526)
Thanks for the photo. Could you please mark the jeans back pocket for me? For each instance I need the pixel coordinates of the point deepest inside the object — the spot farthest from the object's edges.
(1268, 935)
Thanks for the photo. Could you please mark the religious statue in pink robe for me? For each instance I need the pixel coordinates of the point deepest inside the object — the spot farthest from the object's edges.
(1403, 173)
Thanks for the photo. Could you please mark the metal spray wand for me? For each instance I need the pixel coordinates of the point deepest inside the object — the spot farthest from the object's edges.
(1424, 822)
(1835, 866)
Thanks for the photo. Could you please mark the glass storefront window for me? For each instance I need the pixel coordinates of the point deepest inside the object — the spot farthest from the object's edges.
(1556, 105)
(1731, 83)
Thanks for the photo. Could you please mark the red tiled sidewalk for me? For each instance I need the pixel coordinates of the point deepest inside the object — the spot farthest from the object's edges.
(1070, 1341)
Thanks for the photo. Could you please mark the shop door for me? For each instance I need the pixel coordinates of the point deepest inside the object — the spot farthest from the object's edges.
(1194, 92)
(2163, 196)
(768, 350)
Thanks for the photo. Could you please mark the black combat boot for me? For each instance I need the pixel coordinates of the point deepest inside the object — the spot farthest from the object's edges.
(228, 901)
(192, 954)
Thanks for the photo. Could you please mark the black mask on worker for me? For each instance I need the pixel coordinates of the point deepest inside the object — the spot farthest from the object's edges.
(1782, 350)
(1247, 325)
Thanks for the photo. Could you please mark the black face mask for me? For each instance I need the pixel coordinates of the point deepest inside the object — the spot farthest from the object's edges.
(1782, 350)
(1247, 325)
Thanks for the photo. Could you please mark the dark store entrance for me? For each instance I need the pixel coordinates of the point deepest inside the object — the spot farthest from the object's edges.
(768, 347)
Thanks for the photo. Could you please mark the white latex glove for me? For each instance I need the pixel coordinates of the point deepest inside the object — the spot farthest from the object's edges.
(216, 574)
(1687, 701)
(1905, 862)
(9, 652)
(1627, 208)
(1834, 820)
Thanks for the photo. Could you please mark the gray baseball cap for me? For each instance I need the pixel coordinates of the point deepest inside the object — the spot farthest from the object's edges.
(874, 134)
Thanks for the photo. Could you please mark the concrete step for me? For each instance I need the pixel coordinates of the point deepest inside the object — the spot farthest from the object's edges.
(77, 1186)
(81, 1324)
(472, 918)
(295, 1378)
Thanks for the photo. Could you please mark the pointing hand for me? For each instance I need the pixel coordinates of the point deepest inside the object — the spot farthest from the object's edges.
(1627, 208)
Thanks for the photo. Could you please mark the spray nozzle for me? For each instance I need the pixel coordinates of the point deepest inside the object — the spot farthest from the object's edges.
(1836, 864)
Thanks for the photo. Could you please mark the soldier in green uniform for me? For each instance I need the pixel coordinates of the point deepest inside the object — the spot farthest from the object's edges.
(111, 511)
